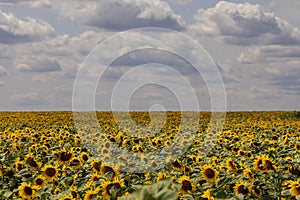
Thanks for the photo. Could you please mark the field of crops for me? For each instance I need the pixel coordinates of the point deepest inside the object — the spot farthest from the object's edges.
(256, 156)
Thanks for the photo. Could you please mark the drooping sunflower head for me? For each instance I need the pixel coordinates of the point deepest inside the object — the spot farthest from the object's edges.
(187, 184)
(27, 191)
(209, 173)
(95, 164)
(256, 191)
(269, 165)
(50, 172)
(241, 188)
(249, 174)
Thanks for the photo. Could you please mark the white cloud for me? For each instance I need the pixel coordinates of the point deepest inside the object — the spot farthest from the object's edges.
(27, 99)
(244, 24)
(3, 71)
(38, 65)
(2, 84)
(122, 15)
(14, 30)
(41, 4)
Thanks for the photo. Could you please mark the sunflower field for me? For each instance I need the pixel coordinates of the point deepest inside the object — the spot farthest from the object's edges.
(256, 155)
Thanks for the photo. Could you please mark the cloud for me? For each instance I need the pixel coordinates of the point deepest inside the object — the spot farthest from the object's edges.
(179, 2)
(269, 54)
(39, 65)
(3, 71)
(244, 24)
(14, 30)
(122, 15)
(27, 99)
(41, 4)
(2, 84)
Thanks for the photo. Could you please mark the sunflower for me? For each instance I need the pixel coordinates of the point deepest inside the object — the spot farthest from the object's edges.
(50, 172)
(186, 184)
(178, 165)
(65, 156)
(32, 163)
(27, 191)
(75, 162)
(39, 182)
(84, 157)
(231, 166)
(161, 176)
(256, 191)
(209, 173)
(95, 164)
(74, 192)
(18, 165)
(259, 164)
(90, 194)
(297, 147)
(66, 197)
(249, 175)
(108, 187)
(94, 178)
(295, 188)
(107, 169)
(207, 195)
(241, 188)
(269, 165)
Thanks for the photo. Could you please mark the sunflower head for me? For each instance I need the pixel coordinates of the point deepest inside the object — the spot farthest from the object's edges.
(231, 165)
(39, 182)
(110, 187)
(27, 191)
(178, 165)
(241, 188)
(256, 191)
(259, 164)
(187, 184)
(295, 188)
(209, 173)
(50, 172)
(32, 162)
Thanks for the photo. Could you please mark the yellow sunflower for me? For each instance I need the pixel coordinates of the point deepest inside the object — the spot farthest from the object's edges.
(231, 166)
(27, 191)
(178, 165)
(105, 168)
(95, 164)
(50, 172)
(66, 197)
(65, 156)
(256, 191)
(241, 188)
(209, 173)
(186, 185)
(18, 165)
(259, 164)
(39, 182)
(84, 157)
(295, 188)
(249, 175)
(207, 195)
(108, 186)
(32, 163)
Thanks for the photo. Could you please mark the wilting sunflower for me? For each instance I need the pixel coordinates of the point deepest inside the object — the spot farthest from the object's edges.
(178, 165)
(108, 186)
(249, 175)
(27, 191)
(39, 182)
(105, 168)
(295, 188)
(241, 188)
(209, 173)
(50, 172)
(259, 164)
(32, 163)
(230, 165)
(186, 185)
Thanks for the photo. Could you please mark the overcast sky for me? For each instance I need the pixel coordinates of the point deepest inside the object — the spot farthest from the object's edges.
(255, 46)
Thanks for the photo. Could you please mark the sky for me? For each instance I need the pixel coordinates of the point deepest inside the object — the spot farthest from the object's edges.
(233, 55)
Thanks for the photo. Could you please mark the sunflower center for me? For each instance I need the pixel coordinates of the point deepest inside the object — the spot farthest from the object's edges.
(108, 169)
(85, 157)
(39, 181)
(210, 173)
(50, 172)
(176, 164)
(28, 190)
(243, 190)
(186, 185)
(269, 165)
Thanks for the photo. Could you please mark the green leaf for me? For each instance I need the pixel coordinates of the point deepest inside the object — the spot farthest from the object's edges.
(221, 195)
